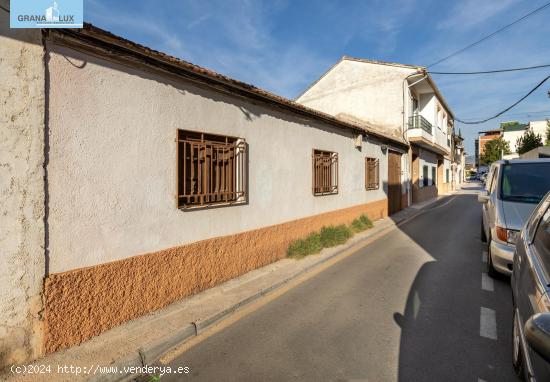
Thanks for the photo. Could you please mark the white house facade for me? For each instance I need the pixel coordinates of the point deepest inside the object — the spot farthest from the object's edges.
(399, 100)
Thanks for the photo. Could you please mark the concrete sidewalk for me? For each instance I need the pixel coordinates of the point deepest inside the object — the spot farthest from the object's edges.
(144, 340)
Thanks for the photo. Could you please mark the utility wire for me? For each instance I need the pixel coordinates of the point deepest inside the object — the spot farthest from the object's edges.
(527, 113)
(492, 34)
(508, 108)
(496, 71)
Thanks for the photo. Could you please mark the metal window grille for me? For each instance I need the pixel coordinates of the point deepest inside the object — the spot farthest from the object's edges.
(372, 173)
(325, 172)
(211, 170)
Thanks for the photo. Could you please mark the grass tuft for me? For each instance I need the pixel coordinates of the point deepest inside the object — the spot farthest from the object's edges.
(361, 223)
(303, 247)
(332, 236)
(327, 237)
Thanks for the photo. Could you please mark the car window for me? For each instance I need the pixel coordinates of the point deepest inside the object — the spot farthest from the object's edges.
(541, 240)
(525, 182)
(493, 184)
(535, 217)
(489, 179)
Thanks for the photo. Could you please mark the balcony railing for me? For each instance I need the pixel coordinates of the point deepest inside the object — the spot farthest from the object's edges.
(419, 122)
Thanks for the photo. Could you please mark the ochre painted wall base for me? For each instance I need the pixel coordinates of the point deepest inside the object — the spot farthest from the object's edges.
(83, 303)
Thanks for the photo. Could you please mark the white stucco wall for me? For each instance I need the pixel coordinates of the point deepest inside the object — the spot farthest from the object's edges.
(427, 108)
(427, 158)
(113, 162)
(539, 127)
(21, 191)
(447, 167)
(511, 137)
(367, 91)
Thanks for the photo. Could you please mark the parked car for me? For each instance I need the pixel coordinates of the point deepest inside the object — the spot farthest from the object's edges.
(531, 299)
(512, 191)
(483, 177)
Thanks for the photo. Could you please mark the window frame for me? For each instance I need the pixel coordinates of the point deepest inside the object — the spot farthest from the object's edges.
(541, 248)
(319, 169)
(536, 216)
(372, 184)
(494, 180)
(221, 166)
(425, 175)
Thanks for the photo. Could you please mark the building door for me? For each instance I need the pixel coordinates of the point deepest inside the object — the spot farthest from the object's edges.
(394, 182)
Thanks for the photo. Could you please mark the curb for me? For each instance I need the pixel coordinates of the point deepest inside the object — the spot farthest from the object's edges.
(150, 353)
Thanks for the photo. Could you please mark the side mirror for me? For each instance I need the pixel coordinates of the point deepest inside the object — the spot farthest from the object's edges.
(537, 334)
(483, 196)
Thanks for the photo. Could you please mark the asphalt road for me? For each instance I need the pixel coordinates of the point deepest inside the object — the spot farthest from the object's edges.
(412, 306)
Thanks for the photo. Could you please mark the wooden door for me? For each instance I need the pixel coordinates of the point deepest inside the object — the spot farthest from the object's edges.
(394, 182)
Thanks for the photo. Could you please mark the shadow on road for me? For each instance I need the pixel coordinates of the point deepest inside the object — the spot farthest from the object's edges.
(440, 326)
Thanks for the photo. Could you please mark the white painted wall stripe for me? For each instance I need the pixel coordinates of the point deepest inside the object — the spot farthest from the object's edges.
(487, 282)
(488, 323)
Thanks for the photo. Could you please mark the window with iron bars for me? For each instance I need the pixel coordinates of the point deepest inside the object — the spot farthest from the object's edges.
(212, 170)
(325, 172)
(372, 173)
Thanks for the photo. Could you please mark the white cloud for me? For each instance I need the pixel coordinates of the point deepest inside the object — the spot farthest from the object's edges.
(469, 13)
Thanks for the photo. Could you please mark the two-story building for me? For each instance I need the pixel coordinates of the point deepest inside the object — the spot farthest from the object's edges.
(458, 161)
(398, 100)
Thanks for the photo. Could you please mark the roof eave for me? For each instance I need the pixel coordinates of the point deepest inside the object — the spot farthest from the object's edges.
(91, 34)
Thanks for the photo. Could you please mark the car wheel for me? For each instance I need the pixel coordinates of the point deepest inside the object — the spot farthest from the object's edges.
(483, 236)
(491, 271)
(517, 355)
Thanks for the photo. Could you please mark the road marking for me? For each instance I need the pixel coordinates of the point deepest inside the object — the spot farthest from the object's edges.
(441, 205)
(488, 323)
(481, 380)
(484, 256)
(487, 282)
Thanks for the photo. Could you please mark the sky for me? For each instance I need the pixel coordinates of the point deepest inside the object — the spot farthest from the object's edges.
(283, 46)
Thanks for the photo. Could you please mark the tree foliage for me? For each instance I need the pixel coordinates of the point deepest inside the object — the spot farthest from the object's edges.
(548, 132)
(493, 150)
(528, 142)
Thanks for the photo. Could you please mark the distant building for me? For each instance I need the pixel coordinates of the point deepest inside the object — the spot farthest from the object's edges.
(539, 152)
(512, 131)
(476, 153)
(540, 128)
(484, 137)
(458, 161)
